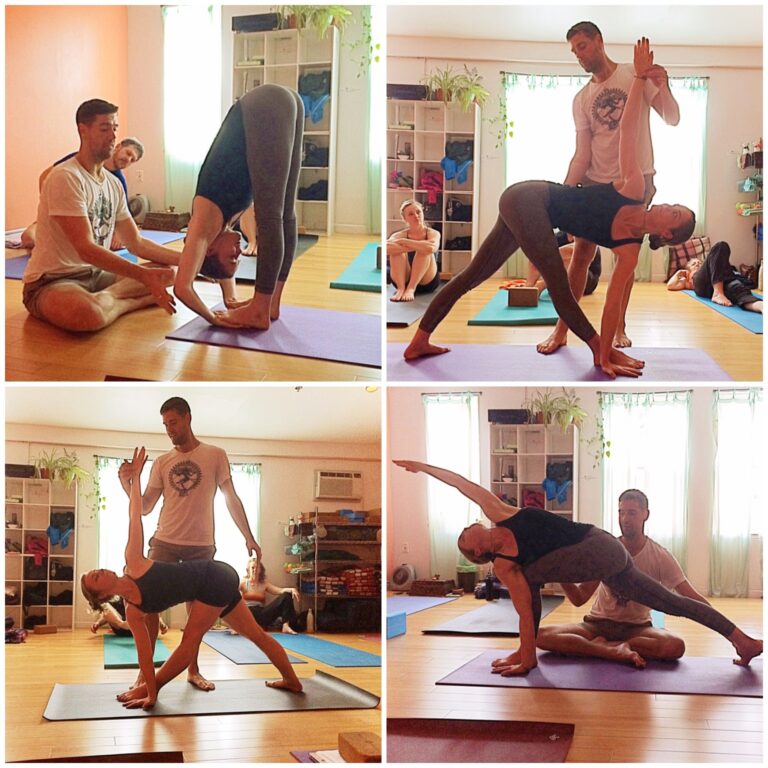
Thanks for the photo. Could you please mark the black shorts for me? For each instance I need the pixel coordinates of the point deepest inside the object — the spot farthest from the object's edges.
(220, 586)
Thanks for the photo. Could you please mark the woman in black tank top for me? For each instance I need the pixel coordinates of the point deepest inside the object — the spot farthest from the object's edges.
(530, 547)
(606, 214)
(147, 587)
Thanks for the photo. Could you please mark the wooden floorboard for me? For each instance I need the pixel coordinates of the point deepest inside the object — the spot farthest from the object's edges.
(610, 726)
(135, 345)
(32, 669)
(656, 318)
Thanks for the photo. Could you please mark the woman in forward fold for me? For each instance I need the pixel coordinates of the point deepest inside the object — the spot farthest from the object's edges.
(149, 587)
(530, 547)
(611, 215)
(253, 161)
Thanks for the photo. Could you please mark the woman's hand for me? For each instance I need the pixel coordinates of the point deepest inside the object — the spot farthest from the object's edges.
(512, 665)
(134, 467)
(137, 697)
(235, 303)
(222, 319)
(643, 58)
(409, 466)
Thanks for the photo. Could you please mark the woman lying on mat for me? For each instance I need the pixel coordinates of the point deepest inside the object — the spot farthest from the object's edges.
(411, 253)
(150, 587)
(255, 587)
(530, 547)
(717, 279)
(113, 616)
(254, 160)
(611, 215)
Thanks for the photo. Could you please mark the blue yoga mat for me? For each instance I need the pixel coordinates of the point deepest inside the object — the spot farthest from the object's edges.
(327, 652)
(14, 268)
(496, 312)
(240, 649)
(161, 237)
(361, 274)
(752, 321)
(657, 619)
(414, 603)
(120, 653)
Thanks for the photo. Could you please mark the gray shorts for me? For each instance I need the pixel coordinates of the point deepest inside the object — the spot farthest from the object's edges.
(92, 279)
(163, 552)
(613, 631)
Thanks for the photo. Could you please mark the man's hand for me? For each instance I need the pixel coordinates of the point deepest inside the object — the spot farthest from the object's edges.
(658, 76)
(157, 279)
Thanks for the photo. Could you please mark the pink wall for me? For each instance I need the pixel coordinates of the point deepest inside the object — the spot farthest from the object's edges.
(56, 58)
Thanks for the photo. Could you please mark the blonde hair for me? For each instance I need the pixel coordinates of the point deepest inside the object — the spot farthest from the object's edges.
(407, 204)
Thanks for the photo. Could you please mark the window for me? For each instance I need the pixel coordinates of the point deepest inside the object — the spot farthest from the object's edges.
(649, 438)
(452, 435)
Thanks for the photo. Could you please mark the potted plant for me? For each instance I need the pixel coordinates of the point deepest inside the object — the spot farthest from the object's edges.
(68, 469)
(441, 84)
(568, 411)
(45, 464)
(541, 407)
(469, 89)
(563, 410)
(320, 18)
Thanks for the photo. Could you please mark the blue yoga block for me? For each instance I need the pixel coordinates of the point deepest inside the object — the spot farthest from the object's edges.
(395, 624)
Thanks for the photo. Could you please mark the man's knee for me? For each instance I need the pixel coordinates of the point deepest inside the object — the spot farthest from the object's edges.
(672, 648)
(70, 310)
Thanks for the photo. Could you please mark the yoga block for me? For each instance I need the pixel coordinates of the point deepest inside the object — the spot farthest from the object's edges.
(432, 587)
(522, 297)
(167, 221)
(396, 624)
(378, 257)
(45, 629)
(360, 747)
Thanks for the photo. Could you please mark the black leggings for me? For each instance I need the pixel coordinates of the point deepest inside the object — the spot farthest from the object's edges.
(600, 556)
(523, 223)
(281, 607)
(717, 268)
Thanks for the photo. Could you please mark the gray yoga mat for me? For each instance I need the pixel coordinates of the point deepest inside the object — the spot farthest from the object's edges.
(496, 618)
(503, 362)
(246, 268)
(322, 334)
(691, 674)
(240, 649)
(401, 314)
(409, 604)
(231, 697)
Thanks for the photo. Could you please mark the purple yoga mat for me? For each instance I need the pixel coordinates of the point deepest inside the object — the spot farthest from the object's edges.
(691, 674)
(503, 362)
(323, 334)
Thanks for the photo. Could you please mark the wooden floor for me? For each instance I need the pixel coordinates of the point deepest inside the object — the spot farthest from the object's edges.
(610, 727)
(33, 667)
(136, 347)
(656, 318)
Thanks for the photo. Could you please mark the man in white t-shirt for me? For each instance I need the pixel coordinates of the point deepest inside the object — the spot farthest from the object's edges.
(597, 111)
(617, 629)
(187, 477)
(73, 280)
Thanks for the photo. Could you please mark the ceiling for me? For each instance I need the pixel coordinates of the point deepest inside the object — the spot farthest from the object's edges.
(307, 413)
(697, 25)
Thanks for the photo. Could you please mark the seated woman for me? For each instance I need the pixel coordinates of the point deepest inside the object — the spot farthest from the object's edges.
(530, 547)
(717, 279)
(611, 215)
(411, 253)
(150, 587)
(254, 160)
(254, 588)
(113, 616)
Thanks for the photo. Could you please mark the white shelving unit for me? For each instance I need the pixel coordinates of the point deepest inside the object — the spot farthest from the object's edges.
(519, 455)
(283, 56)
(30, 508)
(417, 132)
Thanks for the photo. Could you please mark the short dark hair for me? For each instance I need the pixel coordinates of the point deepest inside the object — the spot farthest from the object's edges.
(89, 110)
(130, 141)
(178, 404)
(587, 28)
(481, 559)
(213, 268)
(680, 234)
(633, 494)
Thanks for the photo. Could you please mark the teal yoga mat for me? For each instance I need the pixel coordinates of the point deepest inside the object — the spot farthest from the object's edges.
(361, 274)
(752, 321)
(240, 649)
(327, 652)
(496, 312)
(120, 653)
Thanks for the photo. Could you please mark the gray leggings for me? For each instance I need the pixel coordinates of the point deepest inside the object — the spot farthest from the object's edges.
(273, 120)
(600, 556)
(523, 223)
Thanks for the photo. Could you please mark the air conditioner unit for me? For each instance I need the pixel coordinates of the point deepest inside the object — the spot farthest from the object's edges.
(338, 485)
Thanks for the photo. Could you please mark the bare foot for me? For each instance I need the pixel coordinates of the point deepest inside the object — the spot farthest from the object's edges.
(249, 250)
(196, 679)
(138, 682)
(621, 358)
(397, 296)
(625, 653)
(747, 648)
(274, 304)
(720, 299)
(285, 685)
(420, 346)
(552, 343)
(246, 317)
(95, 627)
(621, 340)
(287, 629)
(408, 295)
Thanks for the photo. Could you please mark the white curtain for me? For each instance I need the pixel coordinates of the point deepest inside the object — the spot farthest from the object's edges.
(452, 435)
(113, 514)
(191, 95)
(738, 507)
(649, 435)
(544, 140)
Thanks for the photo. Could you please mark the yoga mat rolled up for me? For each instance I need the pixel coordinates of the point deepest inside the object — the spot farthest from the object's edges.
(691, 674)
